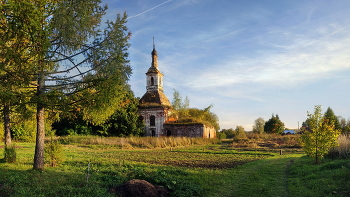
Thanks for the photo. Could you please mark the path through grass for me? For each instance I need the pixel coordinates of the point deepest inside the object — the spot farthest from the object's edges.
(267, 177)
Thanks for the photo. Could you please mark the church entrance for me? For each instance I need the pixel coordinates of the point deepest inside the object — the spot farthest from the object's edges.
(153, 133)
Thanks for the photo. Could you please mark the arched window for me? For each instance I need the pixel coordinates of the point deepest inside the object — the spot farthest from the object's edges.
(152, 81)
(152, 121)
(168, 133)
(153, 133)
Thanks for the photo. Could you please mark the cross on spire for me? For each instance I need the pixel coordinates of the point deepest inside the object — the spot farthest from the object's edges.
(154, 46)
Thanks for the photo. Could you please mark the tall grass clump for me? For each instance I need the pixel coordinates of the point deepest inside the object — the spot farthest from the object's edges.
(343, 150)
(10, 153)
(54, 152)
(137, 142)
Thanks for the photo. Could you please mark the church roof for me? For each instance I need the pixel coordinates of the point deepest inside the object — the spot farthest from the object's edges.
(154, 99)
(153, 69)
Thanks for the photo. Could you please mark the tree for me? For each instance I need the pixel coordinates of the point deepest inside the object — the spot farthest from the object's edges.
(230, 133)
(321, 135)
(220, 135)
(258, 126)
(183, 113)
(75, 65)
(18, 51)
(179, 108)
(240, 133)
(342, 123)
(332, 118)
(123, 122)
(274, 125)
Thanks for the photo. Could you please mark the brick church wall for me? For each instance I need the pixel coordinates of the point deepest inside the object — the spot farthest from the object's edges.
(188, 130)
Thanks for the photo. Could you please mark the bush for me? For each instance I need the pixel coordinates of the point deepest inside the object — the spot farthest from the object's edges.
(220, 135)
(10, 154)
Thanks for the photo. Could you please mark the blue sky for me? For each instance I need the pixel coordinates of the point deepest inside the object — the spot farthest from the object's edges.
(249, 59)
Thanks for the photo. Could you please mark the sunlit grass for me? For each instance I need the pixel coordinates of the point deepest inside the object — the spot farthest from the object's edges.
(197, 170)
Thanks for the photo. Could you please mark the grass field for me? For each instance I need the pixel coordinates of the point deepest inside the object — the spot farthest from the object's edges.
(197, 170)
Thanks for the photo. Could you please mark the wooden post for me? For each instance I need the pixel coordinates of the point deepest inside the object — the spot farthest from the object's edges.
(281, 152)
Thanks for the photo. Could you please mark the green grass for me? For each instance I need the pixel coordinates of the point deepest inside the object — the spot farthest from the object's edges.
(204, 170)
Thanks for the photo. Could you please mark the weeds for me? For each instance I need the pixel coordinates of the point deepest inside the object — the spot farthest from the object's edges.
(54, 153)
(10, 154)
(341, 151)
(136, 142)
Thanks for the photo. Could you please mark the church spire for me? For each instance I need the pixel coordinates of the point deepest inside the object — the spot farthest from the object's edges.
(154, 56)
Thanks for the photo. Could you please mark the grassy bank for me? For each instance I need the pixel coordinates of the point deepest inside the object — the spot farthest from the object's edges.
(197, 170)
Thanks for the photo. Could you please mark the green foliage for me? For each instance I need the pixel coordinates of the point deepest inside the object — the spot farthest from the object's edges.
(320, 136)
(10, 153)
(239, 133)
(24, 131)
(180, 108)
(54, 153)
(274, 125)
(230, 133)
(221, 135)
(258, 126)
(332, 118)
(123, 122)
(184, 114)
(52, 41)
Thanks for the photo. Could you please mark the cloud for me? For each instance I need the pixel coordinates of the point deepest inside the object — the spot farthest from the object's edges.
(304, 58)
(150, 9)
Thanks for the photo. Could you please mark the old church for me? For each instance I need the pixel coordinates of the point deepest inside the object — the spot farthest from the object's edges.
(155, 109)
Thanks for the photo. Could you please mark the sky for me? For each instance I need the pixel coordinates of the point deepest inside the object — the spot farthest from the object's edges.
(249, 59)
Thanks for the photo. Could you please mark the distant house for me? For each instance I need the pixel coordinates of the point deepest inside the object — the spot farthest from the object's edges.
(155, 108)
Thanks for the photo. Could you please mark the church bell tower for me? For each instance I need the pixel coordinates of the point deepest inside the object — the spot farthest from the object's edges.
(154, 106)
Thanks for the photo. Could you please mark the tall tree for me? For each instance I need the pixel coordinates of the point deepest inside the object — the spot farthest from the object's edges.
(18, 52)
(77, 65)
(274, 125)
(321, 135)
(329, 114)
(258, 126)
(179, 107)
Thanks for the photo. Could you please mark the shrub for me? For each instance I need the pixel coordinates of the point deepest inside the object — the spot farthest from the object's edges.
(220, 135)
(53, 152)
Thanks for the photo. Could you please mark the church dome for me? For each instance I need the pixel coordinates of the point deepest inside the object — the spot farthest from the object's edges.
(154, 52)
(153, 69)
(154, 99)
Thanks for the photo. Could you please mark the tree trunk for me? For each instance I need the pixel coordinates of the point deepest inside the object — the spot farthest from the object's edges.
(40, 134)
(7, 129)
